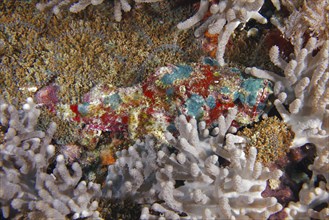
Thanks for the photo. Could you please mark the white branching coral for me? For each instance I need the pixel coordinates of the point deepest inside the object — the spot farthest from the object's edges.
(307, 17)
(27, 187)
(320, 165)
(314, 193)
(133, 172)
(225, 17)
(56, 5)
(76, 6)
(209, 191)
(304, 88)
(309, 198)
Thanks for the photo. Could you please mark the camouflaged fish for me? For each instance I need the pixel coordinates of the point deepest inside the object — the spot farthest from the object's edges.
(200, 90)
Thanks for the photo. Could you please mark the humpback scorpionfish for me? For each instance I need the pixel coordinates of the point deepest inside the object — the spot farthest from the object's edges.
(200, 90)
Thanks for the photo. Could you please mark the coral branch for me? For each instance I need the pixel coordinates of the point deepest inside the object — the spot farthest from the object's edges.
(208, 190)
(224, 18)
(26, 186)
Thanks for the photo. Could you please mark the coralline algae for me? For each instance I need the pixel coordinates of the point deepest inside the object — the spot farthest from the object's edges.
(200, 90)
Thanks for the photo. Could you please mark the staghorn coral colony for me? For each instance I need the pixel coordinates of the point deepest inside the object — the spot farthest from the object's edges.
(164, 109)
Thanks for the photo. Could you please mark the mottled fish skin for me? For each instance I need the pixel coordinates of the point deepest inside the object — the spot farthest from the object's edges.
(200, 90)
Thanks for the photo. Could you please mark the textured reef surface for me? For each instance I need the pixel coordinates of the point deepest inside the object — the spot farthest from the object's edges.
(164, 109)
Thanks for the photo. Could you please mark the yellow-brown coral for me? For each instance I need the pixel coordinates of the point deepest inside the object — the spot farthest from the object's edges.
(271, 137)
(79, 51)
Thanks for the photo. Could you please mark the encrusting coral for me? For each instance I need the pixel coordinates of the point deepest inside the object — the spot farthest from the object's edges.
(28, 189)
(271, 137)
(79, 51)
